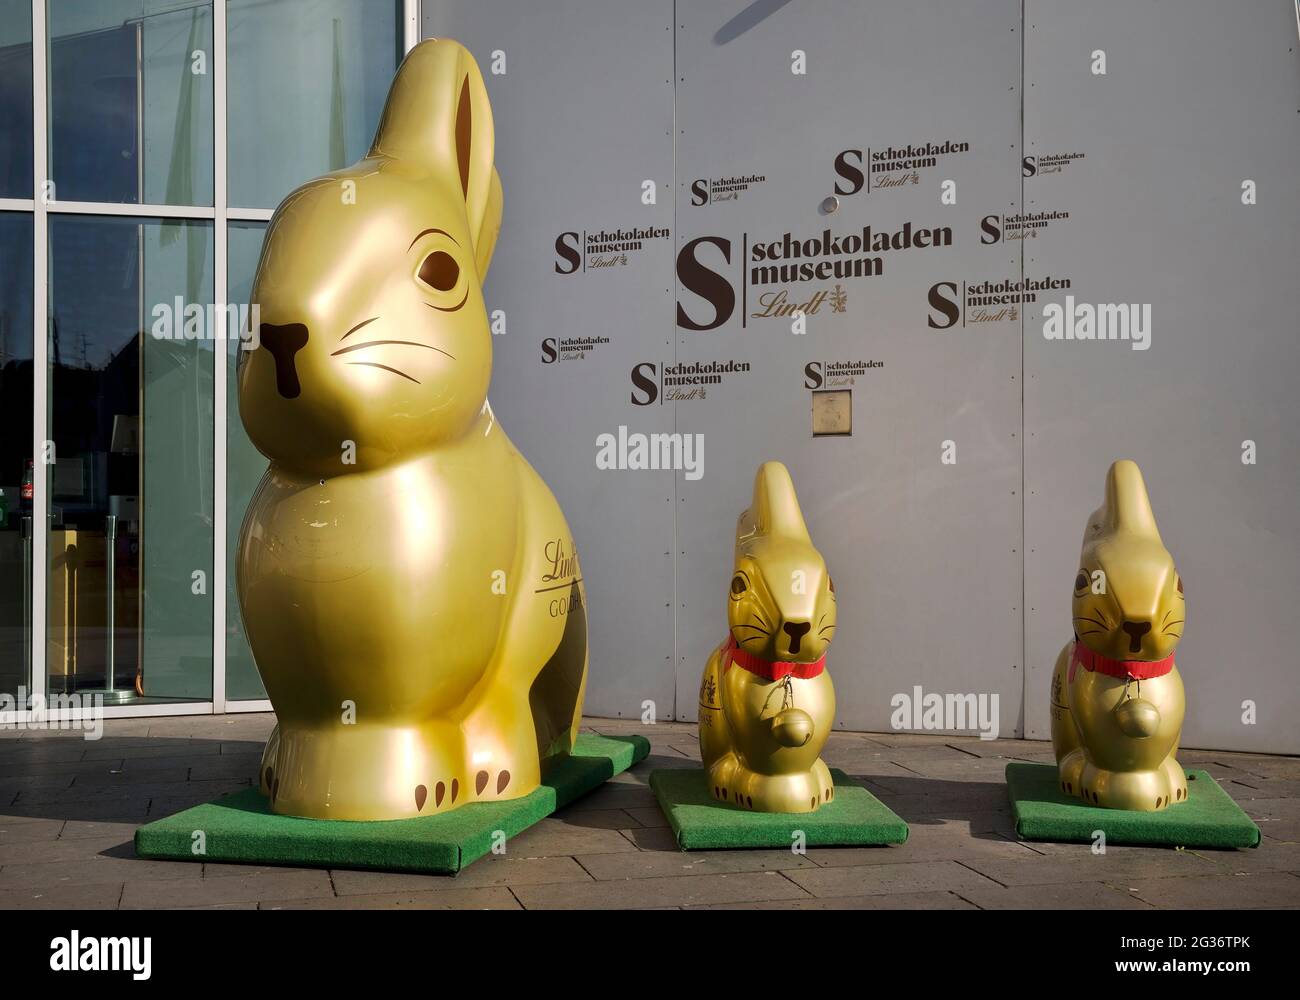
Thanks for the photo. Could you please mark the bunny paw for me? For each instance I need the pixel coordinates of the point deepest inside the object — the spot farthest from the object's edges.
(798, 792)
(1136, 791)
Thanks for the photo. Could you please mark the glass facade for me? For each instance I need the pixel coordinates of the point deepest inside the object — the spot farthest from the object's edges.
(151, 208)
(16, 467)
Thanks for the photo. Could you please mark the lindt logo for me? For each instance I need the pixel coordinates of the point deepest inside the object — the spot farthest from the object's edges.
(594, 251)
(985, 301)
(681, 382)
(890, 167)
(787, 260)
(711, 190)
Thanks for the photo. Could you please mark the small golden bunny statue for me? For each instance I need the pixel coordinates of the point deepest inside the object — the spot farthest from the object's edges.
(1117, 698)
(766, 700)
(409, 586)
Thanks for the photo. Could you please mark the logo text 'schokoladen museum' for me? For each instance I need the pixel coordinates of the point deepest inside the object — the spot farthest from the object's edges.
(771, 271)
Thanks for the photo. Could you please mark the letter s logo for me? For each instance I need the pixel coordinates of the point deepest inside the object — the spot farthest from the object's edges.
(700, 192)
(548, 351)
(812, 373)
(991, 224)
(1029, 166)
(564, 251)
(647, 383)
(947, 306)
(851, 173)
(706, 283)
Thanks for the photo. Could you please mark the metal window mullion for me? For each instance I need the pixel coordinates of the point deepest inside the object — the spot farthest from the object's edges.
(221, 282)
(410, 24)
(39, 624)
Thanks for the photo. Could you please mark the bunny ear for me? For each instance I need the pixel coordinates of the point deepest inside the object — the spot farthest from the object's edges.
(775, 510)
(1127, 507)
(437, 118)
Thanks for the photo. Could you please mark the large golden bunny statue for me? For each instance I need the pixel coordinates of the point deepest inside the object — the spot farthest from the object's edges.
(1117, 699)
(766, 700)
(409, 586)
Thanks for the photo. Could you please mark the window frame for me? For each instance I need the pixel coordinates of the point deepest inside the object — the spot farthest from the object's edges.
(220, 214)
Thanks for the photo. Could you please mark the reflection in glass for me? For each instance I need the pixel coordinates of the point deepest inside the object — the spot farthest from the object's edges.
(15, 451)
(331, 62)
(244, 468)
(16, 98)
(131, 494)
(131, 101)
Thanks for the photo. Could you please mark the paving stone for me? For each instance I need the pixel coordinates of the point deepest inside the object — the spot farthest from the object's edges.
(1264, 767)
(289, 883)
(71, 768)
(862, 765)
(114, 778)
(917, 740)
(90, 870)
(227, 766)
(661, 758)
(40, 851)
(62, 897)
(949, 840)
(554, 837)
(649, 816)
(69, 818)
(870, 880)
(1274, 890)
(683, 890)
(913, 798)
(118, 809)
(128, 791)
(1002, 748)
(1244, 788)
(170, 763)
(890, 901)
(1114, 867)
(154, 748)
(668, 863)
(31, 752)
(449, 899)
(653, 838)
(1078, 896)
(91, 829)
(28, 829)
(601, 819)
(484, 873)
(220, 869)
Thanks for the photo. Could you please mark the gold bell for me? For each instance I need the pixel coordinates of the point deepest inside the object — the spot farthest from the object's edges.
(792, 727)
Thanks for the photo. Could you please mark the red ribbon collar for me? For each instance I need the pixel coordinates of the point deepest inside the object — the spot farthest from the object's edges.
(1135, 670)
(772, 670)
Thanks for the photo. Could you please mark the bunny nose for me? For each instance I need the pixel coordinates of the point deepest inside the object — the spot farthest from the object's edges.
(796, 631)
(285, 341)
(1136, 630)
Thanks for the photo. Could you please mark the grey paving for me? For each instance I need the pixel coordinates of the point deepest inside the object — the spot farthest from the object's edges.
(69, 808)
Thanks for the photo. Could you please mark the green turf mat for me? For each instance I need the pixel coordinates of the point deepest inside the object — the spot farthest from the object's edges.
(241, 828)
(1209, 818)
(854, 817)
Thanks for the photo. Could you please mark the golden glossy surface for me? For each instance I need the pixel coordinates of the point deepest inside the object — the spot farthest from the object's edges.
(408, 583)
(1115, 740)
(760, 740)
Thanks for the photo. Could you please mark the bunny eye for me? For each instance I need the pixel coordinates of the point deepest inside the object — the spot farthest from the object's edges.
(1081, 581)
(440, 271)
(738, 585)
(1180, 586)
